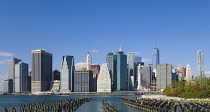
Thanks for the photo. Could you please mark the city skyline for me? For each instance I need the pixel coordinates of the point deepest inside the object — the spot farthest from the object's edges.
(181, 28)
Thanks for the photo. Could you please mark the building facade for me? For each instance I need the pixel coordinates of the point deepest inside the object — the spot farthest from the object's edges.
(188, 73)
(21, 77)
(164, 76)
(120, 71)
(11, 70)
(56, 75)
(104, 80)
(130, 71)
(89, 61)
(200, 62)
(41, 71)
(67, 74)
(110, 64)
(155, 58)
(96, 69)
(83, 81)
(8, 86)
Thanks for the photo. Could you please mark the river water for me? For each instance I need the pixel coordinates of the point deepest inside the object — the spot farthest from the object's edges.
(95, 105)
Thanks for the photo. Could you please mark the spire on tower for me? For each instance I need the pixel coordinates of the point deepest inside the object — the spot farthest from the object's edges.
(120, 49)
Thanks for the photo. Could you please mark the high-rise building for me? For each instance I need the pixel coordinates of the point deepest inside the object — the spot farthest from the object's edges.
(146, 73)
(67, 74)
(164, 76)
(41, 72)
(110, 64)
(96, 69)
(188, 73)
(130, 71)
(11, 70)
(120, 71)
(56, 75)
(139, 85)
(137, 62)
(83, 81)
(200, 62)
(8, 86)
(104, 80)
(155, 58)
(21, 77)
(89, 61)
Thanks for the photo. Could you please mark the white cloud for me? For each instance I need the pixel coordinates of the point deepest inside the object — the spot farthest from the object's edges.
(146, 60)
(3, 61)
(79, 65)
(6, 54)
(95, 51)
(207, 73)
(2, 78)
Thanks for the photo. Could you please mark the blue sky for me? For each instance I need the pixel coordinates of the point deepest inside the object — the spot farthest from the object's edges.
(76, 27)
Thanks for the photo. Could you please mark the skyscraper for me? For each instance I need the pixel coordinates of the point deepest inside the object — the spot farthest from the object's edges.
(83, 81)
(67, 74)
(155, 58)
(89, 61)
(164, 76)
(120, 71)
(200, 62)
(21, 77)
(104, 80)
(110, 64)
(130, 70)
(41, 71)
(11, 70)
(188, 73)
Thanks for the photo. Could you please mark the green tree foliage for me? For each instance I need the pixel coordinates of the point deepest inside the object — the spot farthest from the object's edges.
(198, 88)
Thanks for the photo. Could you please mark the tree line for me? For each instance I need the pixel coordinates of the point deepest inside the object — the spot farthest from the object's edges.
(197, 88)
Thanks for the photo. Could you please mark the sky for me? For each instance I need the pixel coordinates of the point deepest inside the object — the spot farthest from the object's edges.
(75, 27)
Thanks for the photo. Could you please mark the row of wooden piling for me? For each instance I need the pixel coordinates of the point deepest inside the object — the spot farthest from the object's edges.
(57, 105)
(160, 105)
(109, 108)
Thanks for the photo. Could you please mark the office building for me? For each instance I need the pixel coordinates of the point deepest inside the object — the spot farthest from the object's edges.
(95, 69)
(41, 71)
(188, 73)
(120, 71)
(130, 71)
(163, 76)
(110, 64)
(8, 86)
(55, 75)
(89, 61)
(21, 77)
(67, 74)
(146, 73)
(139, 84)
(200, 62)
(83, 81)
(155, 58)
(104, 80)
(11, 70)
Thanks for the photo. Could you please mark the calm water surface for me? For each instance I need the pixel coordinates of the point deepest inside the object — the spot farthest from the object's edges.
(9, 101)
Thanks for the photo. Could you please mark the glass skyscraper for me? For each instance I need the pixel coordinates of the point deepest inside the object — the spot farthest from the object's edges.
(110, 64)
(200, 62)
(155, 58)
(67, 74)
(120, 71)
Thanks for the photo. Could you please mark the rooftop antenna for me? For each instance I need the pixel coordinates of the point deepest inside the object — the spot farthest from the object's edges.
(155, 43)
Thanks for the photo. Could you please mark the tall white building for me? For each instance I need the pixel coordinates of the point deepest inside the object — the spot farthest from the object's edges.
(21, 77)
(139, 87)
(89, 61)
(67, 74)
(200, 62)
(188, 73)
(104, 80)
